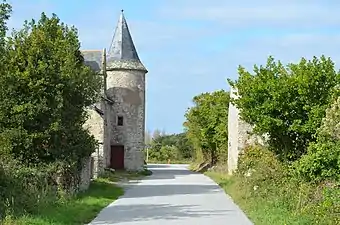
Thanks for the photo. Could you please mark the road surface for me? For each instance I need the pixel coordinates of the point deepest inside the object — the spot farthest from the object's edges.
(173, 195)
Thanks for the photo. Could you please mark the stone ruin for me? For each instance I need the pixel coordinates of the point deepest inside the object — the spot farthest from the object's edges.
(239, 134)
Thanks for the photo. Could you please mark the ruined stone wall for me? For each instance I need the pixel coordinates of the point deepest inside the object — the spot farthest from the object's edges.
(239, 134)
(85, 174)
(127, 89)
(95, 125)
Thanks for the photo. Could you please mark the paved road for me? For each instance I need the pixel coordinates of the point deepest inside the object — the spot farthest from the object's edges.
(173, 195)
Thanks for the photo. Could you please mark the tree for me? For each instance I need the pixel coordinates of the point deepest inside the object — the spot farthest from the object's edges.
(206, 125)
(5, 10)
(287, 102)
(185, 148)
(173, 146)
(44, 93)
(168, 152)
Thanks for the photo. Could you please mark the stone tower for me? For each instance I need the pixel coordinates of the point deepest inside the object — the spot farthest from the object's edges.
(117, 121)
(125, 82)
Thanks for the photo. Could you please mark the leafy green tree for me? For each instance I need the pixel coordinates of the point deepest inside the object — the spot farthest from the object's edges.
(169, 152)
(177, 141)
(184, 146)
(5, 10)
(206, 125)
(44, 92)
(287, 102)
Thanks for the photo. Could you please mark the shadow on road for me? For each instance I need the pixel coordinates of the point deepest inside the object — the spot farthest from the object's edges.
(152, 187)
(165, 171)
(142, 191)
(152, 212)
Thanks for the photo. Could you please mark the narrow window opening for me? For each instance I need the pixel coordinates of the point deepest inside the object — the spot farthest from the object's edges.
(120, 121)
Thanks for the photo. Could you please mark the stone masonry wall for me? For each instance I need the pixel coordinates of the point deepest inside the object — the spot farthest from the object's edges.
(95, 124)
(85, 174)
(239, 134)
(127, 89)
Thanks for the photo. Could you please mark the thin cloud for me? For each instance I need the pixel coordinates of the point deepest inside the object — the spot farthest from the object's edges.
(248, 13)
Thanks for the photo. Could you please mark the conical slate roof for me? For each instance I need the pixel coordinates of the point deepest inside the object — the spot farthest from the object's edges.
(122, 53)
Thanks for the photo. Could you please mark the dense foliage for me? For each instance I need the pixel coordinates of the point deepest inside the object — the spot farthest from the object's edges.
(173, 147)
(322, 160)
(287, 102)
(207, 125)
(45, 89)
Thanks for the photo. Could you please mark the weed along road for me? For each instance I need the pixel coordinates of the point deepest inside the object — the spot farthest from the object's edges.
(173, 195)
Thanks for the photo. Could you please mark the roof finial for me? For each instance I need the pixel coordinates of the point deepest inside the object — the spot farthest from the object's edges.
(122, 10)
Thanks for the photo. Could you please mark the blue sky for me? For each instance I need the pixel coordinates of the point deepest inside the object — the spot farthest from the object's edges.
(193, 46)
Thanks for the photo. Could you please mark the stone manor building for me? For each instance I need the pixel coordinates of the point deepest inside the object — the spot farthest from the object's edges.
(117, 121)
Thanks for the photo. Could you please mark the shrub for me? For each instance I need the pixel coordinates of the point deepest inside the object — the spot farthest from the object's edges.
(24, 189)
(164, 153)
(322, 160)
(258, 168)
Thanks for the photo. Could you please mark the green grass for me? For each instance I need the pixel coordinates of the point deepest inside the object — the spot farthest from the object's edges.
(271, 207)
(78, 210)
(83, 208)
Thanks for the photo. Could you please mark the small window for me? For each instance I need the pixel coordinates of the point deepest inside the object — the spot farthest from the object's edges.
(120, 121)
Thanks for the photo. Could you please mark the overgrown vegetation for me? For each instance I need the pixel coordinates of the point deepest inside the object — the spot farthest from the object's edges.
(173, 148)
(45, 89)
(80, 209)
(287, 102)
(206, 126)
(269, 194)
(294, 178)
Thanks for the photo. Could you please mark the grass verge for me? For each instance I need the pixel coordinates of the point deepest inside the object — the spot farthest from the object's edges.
(78, 210)
(271, 193)
(285, 204)
(83, 208)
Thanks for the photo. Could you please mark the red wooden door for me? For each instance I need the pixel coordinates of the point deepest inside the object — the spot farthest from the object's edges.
(117, 157)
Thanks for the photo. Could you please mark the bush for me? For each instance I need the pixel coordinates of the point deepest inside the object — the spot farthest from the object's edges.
(24, 189)
(29, 189)
(164, 153)
(322, 161)
(258, 169)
